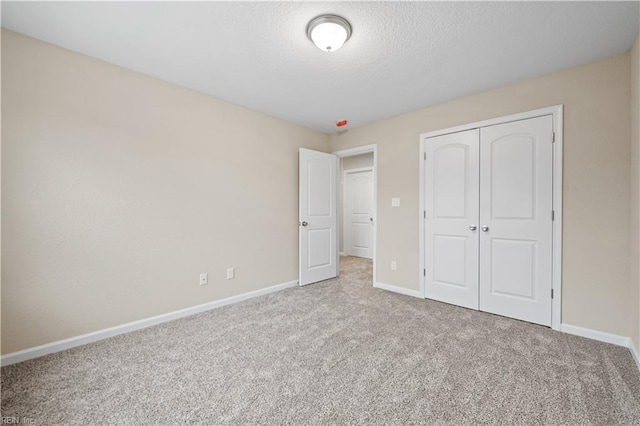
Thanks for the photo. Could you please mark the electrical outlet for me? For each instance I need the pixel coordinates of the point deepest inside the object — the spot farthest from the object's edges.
(204, 279)
(395, 202)
(394, 265)
(230, 273)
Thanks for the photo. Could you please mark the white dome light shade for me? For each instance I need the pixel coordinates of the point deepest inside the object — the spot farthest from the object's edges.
(329, 32)
(329, 36)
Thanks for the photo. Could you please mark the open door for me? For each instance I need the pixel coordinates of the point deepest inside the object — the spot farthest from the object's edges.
(318, 224)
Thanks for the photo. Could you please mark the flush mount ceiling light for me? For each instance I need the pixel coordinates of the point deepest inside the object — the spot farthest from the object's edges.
(329, 32)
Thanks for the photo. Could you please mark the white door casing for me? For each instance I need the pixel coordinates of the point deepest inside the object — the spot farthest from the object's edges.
(553, 131)
(318, 217)
(373, 148)
(451, 218)
(359, 212)
(516, 190)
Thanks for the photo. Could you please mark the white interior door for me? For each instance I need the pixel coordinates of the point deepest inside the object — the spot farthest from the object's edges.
(451, 222)
(359, 213)
(318, 223)
(516, 219)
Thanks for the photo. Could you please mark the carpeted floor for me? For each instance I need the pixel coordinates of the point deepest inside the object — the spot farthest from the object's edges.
(335, 352)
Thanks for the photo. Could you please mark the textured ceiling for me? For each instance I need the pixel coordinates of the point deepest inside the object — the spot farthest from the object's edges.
(402, 56)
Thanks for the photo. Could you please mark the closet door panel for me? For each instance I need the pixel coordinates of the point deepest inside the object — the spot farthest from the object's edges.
(451, 242)
(515, 219)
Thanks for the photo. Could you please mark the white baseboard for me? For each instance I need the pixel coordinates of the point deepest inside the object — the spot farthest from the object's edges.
(84, 339)
(72, 342)
(396, 289)
(634, 353)
(614, 339)
(341, 253)
(595, 335)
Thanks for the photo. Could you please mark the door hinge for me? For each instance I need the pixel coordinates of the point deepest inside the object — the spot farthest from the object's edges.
(552, 293)
(425, 214)
(424, 272)
(553, 137)
(425, 155)
(553, 215)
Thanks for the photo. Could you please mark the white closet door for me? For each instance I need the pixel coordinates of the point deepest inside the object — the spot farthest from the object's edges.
(451, 234)
(515, 219)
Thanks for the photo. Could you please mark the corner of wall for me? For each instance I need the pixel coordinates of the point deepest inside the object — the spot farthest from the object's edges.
(635, 196)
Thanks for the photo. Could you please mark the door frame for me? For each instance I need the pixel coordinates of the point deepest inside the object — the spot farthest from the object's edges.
(556, 112)
(345, 217)
(350, 152)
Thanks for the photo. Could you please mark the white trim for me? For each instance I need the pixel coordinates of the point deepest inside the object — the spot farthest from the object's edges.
(73, 342)
(341, 253)
(601, 336)
(552, 110)
(357, 151)
(634, 353)
(350, 152)
(556, 302)
(359, 170)
(345, 219)
(557, 113)
(400, 290)
(421, 219)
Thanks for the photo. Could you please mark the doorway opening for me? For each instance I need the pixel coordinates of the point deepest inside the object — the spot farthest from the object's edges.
(356, 206)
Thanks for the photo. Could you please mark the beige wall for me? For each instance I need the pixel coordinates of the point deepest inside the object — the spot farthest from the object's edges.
(596, 182)
(635, 194)
(119, 189)
(348, 163)
(357, 161)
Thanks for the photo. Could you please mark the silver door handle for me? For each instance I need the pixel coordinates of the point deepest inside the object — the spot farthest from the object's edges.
(472, 227)
(484, 228)
(304, 224)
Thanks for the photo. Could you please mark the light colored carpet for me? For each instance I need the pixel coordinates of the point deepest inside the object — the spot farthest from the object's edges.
(335, 352)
